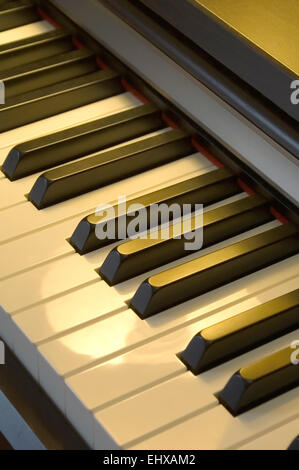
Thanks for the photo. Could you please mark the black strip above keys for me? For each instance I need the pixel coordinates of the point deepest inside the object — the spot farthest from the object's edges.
(295, 444)
(59, 98)
(243, 332)
(138, 256)
(17, 14)
(47, 72)
(260, 382)
(109, 166)
(208, 188)
(203, 274)
(63, 146)
(30, 50)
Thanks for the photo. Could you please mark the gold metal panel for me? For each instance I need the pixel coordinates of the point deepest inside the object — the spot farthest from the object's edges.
(271, 25)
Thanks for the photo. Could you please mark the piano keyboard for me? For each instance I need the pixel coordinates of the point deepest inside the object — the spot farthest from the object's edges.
(140, 344)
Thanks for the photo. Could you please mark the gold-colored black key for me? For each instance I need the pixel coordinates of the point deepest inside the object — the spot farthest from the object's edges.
(204, 189)
(224, 340)
(40, 104)
(260, 381)
(138, 256)
(17, 14)
(188, 280)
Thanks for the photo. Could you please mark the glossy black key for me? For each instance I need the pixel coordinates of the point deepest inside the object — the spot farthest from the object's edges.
(208, 188)
(247, 330)
(47, 72)
(109, 166)
(30, 50)
(17, 14)
(203, 274)
(78, 141)
(260, 382)
(295, 444)
(60, 147)
(138, 256)
(58, 98)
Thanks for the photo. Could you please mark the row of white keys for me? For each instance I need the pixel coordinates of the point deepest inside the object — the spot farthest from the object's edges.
(88, 334)
(165, 405)
(33, 219)
(47, 243)
(24, 32)
(217, 429)
(18, 256)
(108, 382)
(66, 120)
(60, 274)
(277, 439)
(96, 388)
(72, 271)
(97, 289)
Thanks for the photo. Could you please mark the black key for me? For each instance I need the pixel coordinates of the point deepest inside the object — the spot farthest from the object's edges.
(138, 256)
(70, 144)
(208, 188)
(47, 72)
(30, 50)
(59, 98)
(60, 147)
(108, 167)
(247, 330)
(295, 444)
(260, 382)
(203, 274)
(17, 14)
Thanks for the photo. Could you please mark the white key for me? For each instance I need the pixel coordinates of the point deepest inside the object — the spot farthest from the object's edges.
(36, 248)
(52, 318)
(24, 32)
(65, 120)
(129, 331)
(45, 281)
(13, 192)
(33, 219)
(173, 401)
(217, 429)
(278, 439)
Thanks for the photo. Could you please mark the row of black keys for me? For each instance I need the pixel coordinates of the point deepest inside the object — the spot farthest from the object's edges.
(173, 286)
(17, 13)
(48, 87)
(264, 379)
(186, 281)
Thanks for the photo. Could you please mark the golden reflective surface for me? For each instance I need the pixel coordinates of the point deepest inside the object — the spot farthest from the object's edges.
(272, 25)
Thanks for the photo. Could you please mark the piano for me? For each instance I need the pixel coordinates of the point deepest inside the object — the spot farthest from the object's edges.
(138, 343)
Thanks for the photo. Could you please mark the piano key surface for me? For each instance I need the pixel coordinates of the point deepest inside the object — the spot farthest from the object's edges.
(118, 378)
(277, 439)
